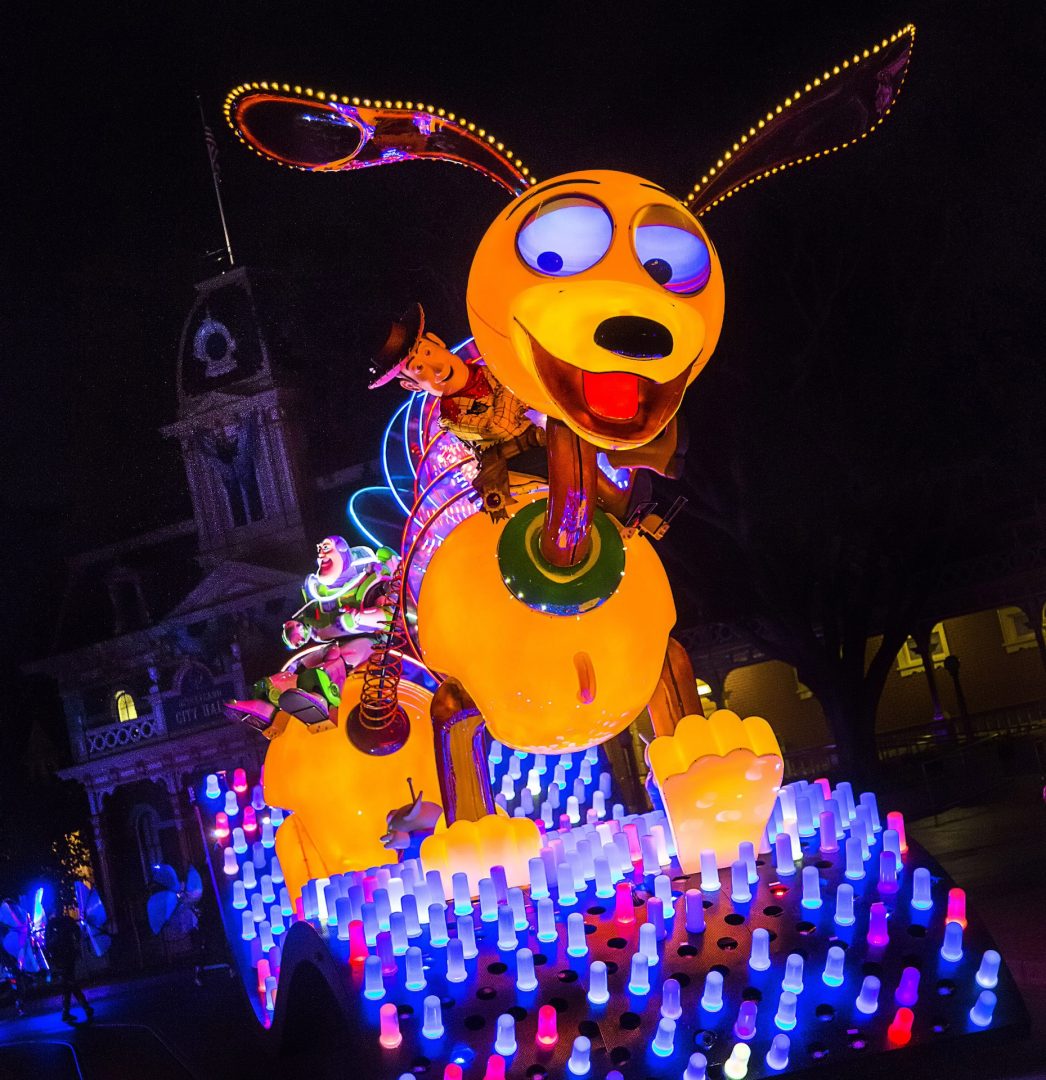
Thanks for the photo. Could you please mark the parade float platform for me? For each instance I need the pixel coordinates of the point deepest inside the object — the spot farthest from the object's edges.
(425, 1004)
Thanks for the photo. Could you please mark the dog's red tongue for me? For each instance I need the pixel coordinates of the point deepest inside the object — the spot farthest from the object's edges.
(613, 395)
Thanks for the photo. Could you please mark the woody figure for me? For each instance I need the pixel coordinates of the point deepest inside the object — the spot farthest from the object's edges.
(473, 405)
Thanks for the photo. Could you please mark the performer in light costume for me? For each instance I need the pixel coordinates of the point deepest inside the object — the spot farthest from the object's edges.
(595, 298)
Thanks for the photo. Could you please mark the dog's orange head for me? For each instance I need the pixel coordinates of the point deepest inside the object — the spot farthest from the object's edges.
(597, 298)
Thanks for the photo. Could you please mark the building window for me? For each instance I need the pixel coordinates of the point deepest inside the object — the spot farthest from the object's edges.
(704, 693)
(147, 830)
(1017, 630)
(909, 659)
(125, 594)
(124, 706)
(802, 691)
(231, 450)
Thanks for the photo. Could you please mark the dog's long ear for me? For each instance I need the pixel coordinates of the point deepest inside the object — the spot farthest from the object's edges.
(831, 111)
(322, 132)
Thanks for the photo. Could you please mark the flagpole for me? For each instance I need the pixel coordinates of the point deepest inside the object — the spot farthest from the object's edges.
(212, 155)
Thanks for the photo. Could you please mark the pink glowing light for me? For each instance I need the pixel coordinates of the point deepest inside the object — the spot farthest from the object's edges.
(956, 907)
(895, 821)
(390, 1036)
(548, 1032)
(495, 1068)
(624, 908)
(358, 951)
(878, 932)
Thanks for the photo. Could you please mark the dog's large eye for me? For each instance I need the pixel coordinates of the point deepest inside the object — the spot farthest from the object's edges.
(565, 236)
(671, 251)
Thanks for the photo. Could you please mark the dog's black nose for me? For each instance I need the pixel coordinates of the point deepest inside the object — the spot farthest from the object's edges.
(634, 336)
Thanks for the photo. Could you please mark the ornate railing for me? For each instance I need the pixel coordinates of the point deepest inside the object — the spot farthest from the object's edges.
(112, 738)
(926, 739)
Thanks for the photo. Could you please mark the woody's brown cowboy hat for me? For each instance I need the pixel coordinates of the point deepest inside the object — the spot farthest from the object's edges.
(403, 335)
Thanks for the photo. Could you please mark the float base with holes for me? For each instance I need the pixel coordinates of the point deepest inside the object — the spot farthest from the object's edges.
(803, 959)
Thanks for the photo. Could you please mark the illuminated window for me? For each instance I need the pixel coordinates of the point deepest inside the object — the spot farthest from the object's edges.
(803, 692)
(708, 703)
(909, 659)
(1017, 630)
(125, 706)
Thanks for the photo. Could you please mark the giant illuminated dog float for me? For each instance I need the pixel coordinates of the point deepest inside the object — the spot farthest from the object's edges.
(597, 297)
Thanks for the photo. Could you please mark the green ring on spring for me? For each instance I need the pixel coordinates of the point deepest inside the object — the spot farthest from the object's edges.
(531, 578)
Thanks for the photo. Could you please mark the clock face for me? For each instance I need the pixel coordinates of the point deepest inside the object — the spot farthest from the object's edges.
(215, 348)
(222, 342)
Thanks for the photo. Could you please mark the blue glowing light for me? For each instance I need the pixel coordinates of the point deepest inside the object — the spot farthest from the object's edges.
(664, 1041)
(39, 909)
(406, 431)
(462, 1055)
(354, 517)
(385, 455)
(618, 477)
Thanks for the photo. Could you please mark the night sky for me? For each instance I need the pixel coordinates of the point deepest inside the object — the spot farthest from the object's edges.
(114, 209)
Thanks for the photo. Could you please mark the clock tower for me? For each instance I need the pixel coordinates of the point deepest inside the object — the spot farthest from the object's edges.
(238, 420)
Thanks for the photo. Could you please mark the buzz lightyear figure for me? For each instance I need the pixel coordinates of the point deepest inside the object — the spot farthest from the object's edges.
(346, 604)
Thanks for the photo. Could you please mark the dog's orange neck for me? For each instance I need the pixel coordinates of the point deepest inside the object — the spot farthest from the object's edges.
(572, 474)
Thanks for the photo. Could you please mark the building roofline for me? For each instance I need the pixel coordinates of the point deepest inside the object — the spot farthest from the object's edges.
(147, 640)
(131, 543)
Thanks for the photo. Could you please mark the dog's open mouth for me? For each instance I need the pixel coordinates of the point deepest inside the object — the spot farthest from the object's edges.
(613, 395)
(618, 406)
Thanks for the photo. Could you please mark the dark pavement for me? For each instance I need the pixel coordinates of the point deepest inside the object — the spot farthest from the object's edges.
(996, 851)
(161, 1027)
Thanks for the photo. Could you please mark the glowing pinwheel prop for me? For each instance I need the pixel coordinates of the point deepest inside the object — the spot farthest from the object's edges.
(172, 907)
(23, 925)
(93, 918)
